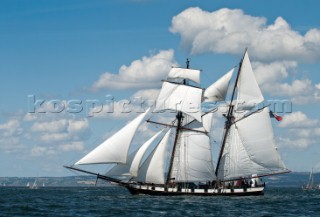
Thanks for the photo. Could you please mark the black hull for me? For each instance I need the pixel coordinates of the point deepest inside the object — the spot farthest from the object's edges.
(241, 192)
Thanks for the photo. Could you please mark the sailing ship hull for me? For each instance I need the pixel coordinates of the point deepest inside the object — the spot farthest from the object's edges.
(162, 191)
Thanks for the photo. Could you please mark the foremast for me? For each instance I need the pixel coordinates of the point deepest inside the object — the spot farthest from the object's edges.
(179, 117)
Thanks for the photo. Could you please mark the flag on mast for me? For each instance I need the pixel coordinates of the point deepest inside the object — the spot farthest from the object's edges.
(274, 115)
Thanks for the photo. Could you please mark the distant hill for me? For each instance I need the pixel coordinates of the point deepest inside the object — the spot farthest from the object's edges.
(69, 181)
(294, 179)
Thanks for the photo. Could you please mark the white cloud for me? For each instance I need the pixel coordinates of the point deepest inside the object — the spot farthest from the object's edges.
(296, 88)
(78, 126)
(301, 131)
(147, 95)
(10, 133)
(274, 71)
(44, 133)
(11, 128)
(62, 130)
(298, 119)
(53, 137)
(127, 108)
(122, 109)
(296, 142)
(300, 91)
(230, 31)
(271, 78)
(300, 137)
(317, 86)
(305, 132)
(40, 151)
(52, 126)
(10, 144)
(143, 73)
(73, 146)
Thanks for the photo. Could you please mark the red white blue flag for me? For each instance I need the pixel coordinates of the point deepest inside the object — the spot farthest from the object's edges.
(274, 115)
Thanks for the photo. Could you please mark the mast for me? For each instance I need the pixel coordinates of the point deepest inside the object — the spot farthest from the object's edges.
(229, 116)
(179, 117)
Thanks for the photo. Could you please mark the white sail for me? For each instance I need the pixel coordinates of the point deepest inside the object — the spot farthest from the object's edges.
(250, 148)
(218, 90)
(115, 149)
(153, 169)
(179, 97)
(207, 121)
(193, 158)
(139, 155)
(310, 181)
(122, 169)
(249, 93)
(191, 74)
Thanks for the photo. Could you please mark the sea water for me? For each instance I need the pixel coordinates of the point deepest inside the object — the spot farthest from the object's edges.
(117, 201)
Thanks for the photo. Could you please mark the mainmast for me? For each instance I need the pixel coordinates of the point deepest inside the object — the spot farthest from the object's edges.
(179, 117)
(229, 117)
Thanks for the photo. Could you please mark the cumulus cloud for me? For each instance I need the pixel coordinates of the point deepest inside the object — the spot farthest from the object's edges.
(127, 108)
(10, 133)
(300, 91)
(296, 88)
(52, 126)
(148, 94)
(72, 146)
(143, 73)
(56, 134)
(300, 138)
(301, 131)
(231, 30)
(39, 134)
(272, 76)
(274, 71)
(39, 151)
(298, 119)
(62, 130)
(10, 128)
(296, 142)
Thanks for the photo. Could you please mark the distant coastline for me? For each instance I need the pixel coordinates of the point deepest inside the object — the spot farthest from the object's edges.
(294, 179)
(68, 181)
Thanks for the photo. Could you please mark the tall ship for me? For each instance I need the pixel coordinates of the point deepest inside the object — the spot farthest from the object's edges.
(179, 158)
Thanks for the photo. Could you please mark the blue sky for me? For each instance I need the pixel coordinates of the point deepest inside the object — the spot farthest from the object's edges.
(84, 50)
